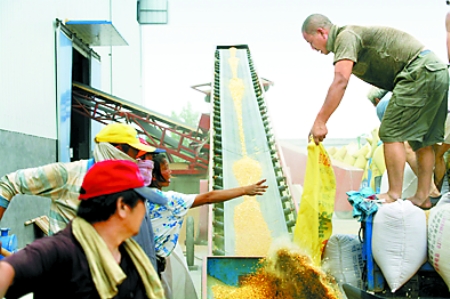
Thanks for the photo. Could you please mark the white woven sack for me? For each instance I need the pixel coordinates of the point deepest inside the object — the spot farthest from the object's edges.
(342, 258)
(444, 200)
(439, 240)
(399, 241)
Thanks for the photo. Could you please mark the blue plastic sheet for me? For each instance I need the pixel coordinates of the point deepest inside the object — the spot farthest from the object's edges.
(364, 203)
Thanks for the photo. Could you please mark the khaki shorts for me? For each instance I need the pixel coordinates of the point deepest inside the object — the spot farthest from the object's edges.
(418, 108)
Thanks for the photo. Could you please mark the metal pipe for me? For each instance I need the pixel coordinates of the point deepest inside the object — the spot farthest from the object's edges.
(218, 252)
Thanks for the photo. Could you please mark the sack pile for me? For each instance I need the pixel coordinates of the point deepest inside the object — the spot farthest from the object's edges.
(404, 238)
(342, 259)
(369, 157)
(399, 241)
(439, 238)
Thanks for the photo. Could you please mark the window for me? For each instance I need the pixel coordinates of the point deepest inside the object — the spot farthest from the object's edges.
(152, 12)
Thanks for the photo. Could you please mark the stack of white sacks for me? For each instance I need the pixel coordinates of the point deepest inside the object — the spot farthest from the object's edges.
(399, 241)
(342, 258)
(439, 238)
(404, 238)
(369, 157)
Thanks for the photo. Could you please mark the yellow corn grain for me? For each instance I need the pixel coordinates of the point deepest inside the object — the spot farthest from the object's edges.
(287, 274)
(252, 235)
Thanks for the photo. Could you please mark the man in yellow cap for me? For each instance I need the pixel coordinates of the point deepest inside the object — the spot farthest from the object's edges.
(61, 182)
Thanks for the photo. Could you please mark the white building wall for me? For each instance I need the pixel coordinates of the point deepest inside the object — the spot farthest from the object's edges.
(126, 68)
(27, 59)
(27, 67)
(77, 10)
(121, 65)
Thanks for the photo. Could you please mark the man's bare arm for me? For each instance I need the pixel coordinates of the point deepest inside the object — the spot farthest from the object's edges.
(217, 196)
(342, 71)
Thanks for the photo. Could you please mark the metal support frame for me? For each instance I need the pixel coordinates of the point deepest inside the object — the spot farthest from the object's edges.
(178, 140)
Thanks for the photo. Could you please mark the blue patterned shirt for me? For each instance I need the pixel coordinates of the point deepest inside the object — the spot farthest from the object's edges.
(168, 219)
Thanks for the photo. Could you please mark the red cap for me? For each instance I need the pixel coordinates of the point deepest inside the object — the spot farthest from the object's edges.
(112, 176)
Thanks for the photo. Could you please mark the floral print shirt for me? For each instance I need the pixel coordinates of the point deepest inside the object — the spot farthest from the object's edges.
(168, 219)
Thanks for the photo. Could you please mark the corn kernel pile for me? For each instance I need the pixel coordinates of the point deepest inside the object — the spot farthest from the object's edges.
(252, 235)
(247, 171)
(287, 274)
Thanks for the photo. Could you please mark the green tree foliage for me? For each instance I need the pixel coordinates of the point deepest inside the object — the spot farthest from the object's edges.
(187, 115)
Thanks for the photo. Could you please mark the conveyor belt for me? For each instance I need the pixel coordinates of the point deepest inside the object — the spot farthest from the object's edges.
(229, 146)
(133, 107)
(177, 138)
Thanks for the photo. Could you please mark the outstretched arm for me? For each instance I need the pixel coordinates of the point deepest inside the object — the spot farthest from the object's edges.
(6, 277)
(342, 71)
(40, 181)
(224, 195)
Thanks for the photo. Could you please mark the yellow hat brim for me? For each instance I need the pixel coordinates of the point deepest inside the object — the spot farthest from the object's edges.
(143, 147)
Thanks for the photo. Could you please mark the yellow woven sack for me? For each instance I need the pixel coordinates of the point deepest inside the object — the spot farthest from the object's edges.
(340, 153)
(331, 151)
(313, 227)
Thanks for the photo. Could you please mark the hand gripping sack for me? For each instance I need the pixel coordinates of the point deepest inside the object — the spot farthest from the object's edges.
(313, 226)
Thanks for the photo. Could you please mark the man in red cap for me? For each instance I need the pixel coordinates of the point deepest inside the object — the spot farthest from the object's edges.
(94, 256)
(61, 182)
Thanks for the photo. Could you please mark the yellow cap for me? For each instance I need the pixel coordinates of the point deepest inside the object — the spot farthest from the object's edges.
(122, 133)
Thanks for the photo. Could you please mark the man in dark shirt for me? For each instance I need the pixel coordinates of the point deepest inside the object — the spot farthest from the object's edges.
(94, 256)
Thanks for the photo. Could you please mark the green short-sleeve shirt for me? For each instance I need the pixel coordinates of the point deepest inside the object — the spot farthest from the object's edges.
(379, 53)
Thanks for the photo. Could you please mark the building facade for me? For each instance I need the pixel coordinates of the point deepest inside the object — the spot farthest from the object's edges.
(45, 46)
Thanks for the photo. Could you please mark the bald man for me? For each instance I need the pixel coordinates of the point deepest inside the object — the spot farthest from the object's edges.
(395, 61)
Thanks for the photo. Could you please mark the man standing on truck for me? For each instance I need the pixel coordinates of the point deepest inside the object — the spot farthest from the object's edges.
(380, 99)
(61, 182)
(395, 61)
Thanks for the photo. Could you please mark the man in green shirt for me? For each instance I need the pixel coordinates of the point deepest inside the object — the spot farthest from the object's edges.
(395, 61)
